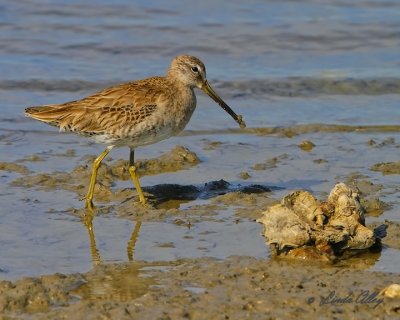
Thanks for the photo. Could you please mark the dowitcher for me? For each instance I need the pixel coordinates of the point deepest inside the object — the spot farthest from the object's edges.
(135, 113)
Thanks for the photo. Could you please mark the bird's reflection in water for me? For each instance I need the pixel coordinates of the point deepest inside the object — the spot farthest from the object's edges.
(130, 248)
(163, 196)
(123, 281)
(87, 220)
(120, 281)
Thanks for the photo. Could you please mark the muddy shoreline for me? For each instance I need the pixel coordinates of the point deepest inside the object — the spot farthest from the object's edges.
(235, 287)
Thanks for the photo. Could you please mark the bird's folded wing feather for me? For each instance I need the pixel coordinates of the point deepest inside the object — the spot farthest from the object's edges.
(127, 103)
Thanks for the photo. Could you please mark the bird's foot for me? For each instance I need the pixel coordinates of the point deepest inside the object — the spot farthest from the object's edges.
(139, 204)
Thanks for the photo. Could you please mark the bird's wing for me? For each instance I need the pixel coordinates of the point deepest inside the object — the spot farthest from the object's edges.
(131, 102)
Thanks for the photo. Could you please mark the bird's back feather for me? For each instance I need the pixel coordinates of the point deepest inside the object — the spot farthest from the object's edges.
(103, 111)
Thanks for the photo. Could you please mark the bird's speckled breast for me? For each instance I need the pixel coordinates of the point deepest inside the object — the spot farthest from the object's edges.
(183, 110)
(169, 120)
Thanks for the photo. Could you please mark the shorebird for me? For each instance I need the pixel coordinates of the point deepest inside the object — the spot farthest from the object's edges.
(135, 113)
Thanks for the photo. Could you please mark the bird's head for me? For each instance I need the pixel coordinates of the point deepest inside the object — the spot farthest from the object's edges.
(192, 73)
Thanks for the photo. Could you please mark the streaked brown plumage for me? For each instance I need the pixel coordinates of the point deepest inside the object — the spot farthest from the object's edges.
(135, 113)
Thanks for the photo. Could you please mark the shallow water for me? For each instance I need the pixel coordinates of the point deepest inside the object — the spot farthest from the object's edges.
(279, 64)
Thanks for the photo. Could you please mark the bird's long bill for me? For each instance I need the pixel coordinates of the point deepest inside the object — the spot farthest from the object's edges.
(213, 95)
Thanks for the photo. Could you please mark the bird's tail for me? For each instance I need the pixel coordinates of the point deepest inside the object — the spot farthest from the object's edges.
(50, 114)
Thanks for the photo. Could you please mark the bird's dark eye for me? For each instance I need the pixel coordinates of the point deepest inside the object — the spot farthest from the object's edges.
(195, 69)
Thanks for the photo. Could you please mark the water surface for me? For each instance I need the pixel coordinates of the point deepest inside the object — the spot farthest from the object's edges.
(278, 63)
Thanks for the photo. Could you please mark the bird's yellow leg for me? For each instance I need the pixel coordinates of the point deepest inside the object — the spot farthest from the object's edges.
(135, 179)
(96, 165)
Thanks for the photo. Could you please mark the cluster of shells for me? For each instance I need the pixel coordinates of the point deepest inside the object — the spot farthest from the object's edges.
(301, 226)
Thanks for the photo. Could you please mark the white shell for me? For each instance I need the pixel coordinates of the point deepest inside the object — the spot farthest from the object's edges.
(301, 220)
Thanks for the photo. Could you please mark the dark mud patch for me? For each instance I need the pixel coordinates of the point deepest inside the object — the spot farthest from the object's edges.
(392, 234)
(236, 288)
(168, 192)
(209, 190)
(166, 200)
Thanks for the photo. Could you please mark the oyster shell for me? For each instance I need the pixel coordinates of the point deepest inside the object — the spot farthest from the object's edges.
(301, 224)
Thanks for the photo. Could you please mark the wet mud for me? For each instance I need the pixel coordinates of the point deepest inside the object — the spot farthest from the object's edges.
(179, 158)
(164, 199)
(236, 288)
